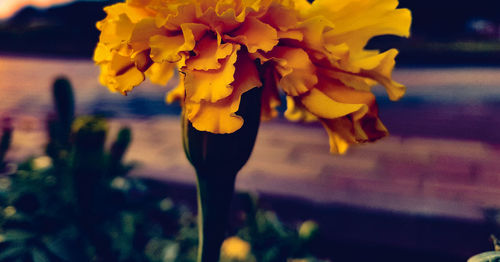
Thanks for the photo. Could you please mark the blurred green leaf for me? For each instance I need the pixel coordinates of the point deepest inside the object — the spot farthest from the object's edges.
(10, 252)
(39, 256)
(17, 235)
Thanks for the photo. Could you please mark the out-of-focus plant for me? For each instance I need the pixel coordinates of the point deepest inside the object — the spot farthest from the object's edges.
(5, 141)
(76, 203)
(270, 240)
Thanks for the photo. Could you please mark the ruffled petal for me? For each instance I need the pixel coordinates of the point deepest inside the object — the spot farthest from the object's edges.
(167, 48)
(298, 74)
(281, 17)
(115, 31)
(208, 52)
(160, 74)
(270, 95)
(212, 85)
(356, 22)
(102, 53)
(178, 93)
(379, 68)
(313, 30)
(255, 35)
(296, 112)
(343, 132)
(323, 106)
(220, 117)
(142, 32)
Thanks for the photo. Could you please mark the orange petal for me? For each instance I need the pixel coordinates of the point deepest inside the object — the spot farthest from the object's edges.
(255, 35)
(380, 69)
(321, 105)
(298, 74)
(178, 93)
(142, 32)
(296, 112)
(280, 16)
(270, 95)
(343, 132)
(160, 74)
(116, 31)
(208, 52)
(101, 53)
(212, 85)
(168, 48)
(220, 116)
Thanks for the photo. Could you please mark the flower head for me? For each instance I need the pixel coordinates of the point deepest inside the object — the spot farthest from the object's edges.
(313, 53)
(235, 248)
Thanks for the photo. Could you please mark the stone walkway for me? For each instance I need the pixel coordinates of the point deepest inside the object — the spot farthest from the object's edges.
(434, 177)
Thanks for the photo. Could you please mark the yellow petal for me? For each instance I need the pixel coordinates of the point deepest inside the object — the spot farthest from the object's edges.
(356, 81)
(220, 117)
(281, 17)
(208, 52)
(323, 106)
(339, 135)
(160, 74)
(101, 53)
(178, 93)
(356, 22)
(142, 32)
(120, 74)
(380, 69)
(298, 74)
(313, 30)
(291, 34)
(223, 22)
(167, 48)
(255, 35)
(125, 82)
(134, 13)
(341, 93)
(116, 32)
(344, 131)
(182, 13)
(296, 112)
(270, 94)
(142, 61)
(212, 85)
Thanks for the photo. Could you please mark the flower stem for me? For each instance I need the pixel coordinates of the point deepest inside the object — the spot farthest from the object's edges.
(217, 159)
(215, 191)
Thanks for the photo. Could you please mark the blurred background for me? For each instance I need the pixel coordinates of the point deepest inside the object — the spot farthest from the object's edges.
(429, 192)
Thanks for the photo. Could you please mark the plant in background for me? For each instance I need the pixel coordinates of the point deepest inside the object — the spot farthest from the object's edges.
(234, 58)
(5, 141)
(77, 204)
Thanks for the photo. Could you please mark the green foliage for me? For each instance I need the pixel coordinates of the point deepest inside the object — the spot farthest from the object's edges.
(270, 239)
(78, 204)
(5, 141)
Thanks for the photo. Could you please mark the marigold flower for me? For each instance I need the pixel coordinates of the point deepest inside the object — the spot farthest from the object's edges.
(235, 248)
(313, 52)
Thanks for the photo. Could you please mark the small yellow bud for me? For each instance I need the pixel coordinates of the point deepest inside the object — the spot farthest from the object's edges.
(235, 248)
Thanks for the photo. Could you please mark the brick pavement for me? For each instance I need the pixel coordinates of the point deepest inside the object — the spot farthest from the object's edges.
(415, 175)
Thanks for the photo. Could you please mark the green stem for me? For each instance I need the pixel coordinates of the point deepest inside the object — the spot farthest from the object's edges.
(215, 191)
(217, 159)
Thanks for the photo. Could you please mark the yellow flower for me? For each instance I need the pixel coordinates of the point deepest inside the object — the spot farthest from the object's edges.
(42, 162)
(313, 53)
(235, 248)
